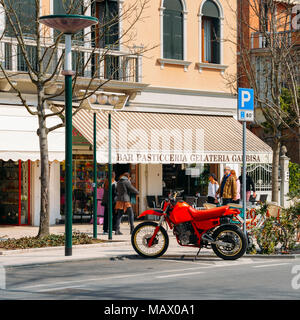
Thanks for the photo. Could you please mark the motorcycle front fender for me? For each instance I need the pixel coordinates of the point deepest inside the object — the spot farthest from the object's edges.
(151, 212)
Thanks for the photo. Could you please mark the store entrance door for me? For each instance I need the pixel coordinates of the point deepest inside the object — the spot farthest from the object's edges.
(15, 192)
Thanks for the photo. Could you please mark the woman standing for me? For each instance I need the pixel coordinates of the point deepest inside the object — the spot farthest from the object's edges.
(123, 204)
(213, 187)
(238, 187)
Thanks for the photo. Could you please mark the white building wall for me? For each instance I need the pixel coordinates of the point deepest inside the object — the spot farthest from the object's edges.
(150, 183)
(54, 193)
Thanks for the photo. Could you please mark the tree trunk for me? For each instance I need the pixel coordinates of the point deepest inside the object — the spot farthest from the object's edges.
(275, 170)
(43, 137)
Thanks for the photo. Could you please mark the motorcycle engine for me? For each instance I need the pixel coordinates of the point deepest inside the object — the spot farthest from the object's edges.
(185, 233)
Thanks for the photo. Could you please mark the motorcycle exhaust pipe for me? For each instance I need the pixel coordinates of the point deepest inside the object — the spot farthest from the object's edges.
(208, 238)
(211, 240)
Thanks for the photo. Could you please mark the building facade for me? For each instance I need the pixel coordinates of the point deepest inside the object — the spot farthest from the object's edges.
(268, 58)
(173, 120)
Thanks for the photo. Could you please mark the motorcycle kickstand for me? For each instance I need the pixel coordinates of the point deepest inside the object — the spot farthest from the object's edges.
(197, 255)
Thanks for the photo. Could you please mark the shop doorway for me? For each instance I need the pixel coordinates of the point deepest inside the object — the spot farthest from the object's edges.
(15, 192)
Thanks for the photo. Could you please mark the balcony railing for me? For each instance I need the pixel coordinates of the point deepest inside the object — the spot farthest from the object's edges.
(87, 62)
(278, 39)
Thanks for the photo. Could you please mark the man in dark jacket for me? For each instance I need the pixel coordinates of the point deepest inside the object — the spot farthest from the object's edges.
(123, 205)
(250, 186)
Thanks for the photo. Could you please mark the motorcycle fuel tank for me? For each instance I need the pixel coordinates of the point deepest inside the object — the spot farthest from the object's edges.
(181, 213)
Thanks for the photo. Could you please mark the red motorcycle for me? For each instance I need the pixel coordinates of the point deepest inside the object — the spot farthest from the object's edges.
(210, 228)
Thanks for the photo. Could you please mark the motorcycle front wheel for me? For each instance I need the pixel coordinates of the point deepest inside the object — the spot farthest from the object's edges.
(232, 242)
(141, 236)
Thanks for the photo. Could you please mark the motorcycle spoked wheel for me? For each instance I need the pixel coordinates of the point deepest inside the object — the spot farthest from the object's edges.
(232, 235)
(141, 236)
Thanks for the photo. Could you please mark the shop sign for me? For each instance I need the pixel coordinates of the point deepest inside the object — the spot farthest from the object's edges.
(132, 157)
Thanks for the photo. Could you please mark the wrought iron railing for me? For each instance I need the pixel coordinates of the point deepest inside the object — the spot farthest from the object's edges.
(88, 62)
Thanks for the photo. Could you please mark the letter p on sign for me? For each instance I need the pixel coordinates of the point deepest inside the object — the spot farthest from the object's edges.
(246, 97)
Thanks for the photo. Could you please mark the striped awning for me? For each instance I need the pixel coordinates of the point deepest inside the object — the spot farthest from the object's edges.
(145, 137)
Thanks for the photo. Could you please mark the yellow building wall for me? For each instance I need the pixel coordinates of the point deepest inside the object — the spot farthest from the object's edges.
(148, 35)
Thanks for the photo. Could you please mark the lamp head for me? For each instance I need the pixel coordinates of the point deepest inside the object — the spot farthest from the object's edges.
(68, 23)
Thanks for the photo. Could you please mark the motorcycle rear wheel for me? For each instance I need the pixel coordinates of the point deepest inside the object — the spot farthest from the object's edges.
(233, 235)
(141, 236)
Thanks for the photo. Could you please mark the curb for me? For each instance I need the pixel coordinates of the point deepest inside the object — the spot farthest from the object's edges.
(106, 243)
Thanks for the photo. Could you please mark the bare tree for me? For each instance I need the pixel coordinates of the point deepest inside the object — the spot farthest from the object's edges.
(268, 62)
(40, 55)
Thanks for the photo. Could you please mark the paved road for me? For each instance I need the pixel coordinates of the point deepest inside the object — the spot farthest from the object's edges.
(164, 278)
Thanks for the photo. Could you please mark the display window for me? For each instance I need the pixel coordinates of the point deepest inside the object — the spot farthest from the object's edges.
(82, 182)
(15, 192)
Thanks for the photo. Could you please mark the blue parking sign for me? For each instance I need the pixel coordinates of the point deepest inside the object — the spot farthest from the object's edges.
(245, 104)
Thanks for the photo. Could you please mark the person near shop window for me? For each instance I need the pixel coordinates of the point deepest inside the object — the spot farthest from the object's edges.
(250, 186)
(238, 187)
(213, 187)
(123, 204)
(227, 190)
(105, 202)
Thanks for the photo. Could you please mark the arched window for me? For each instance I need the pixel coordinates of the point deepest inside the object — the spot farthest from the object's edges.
(210, 32)
(173, 30)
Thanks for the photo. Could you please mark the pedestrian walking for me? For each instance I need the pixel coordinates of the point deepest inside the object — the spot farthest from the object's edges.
(123, 204)
(213, 187)
(227, 190)
(250, 186)
(105, 202)
(238, 187)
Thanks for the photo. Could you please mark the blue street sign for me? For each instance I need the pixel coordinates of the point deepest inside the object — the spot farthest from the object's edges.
(245, 104)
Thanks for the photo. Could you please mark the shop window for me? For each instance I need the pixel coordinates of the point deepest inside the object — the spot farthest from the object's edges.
(173, 30)
(15, 192)
(210, 33)
(83, 178)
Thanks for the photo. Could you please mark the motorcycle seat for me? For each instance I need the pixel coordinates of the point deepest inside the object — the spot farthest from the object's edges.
(209, 213)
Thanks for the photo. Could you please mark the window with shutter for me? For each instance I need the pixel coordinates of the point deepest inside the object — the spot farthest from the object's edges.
(25, 12)
(173, 30)
(210, 33)
(69, 7)
(107, 13)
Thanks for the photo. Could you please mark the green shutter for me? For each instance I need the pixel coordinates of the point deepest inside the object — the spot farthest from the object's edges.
(167, 36)
(25, 12)
(109, 22)
(178, 36)
(173, 35)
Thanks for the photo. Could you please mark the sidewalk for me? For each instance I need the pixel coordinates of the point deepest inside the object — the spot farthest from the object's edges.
(117, 248)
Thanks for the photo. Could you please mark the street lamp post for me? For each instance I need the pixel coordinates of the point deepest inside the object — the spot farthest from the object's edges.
(110, 201)
(95, 176)
(68, 24)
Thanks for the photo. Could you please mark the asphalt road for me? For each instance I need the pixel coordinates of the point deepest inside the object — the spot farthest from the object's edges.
(162, 279)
